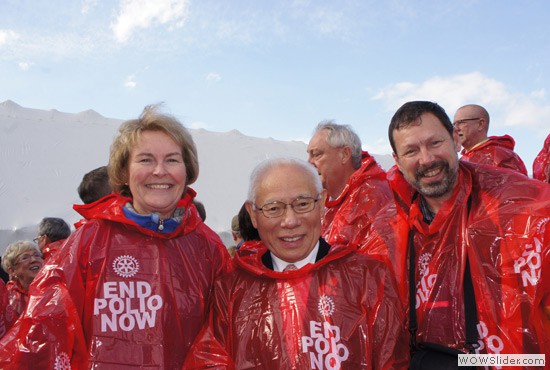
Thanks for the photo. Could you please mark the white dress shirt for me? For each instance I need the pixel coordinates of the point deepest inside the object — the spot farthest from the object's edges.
(279, 265)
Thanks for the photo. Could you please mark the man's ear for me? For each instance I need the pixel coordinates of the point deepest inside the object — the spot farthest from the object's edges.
(251, 213)
(345, 153)
(483, 125)
(323, 198)
(396, 159)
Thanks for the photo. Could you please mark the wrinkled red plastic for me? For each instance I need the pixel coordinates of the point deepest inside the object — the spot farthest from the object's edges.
(51, 248)
(347, 219)
(343, 308)
(5, 323)
(497, 151)
(118, 296)
(364, 216)
(505, 232)
(541, 164)
(17, 299)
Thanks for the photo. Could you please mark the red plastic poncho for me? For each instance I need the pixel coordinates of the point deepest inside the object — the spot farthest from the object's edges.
(51, 248)
(16, 303)
(363, 216)
(497, 151)
(506, 235)
(342, 312)
(347, 219)
(541, 164)
(387, 241)
(5, 323)
(118, 296)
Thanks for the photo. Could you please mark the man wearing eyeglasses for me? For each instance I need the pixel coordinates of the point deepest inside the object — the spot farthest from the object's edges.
(52, 232)
(356, 185)
(294, 301)
(471, 122)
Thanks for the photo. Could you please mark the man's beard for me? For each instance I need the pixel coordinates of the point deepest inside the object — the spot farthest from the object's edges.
(435, 189)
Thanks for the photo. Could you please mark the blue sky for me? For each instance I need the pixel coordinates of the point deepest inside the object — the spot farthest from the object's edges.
(277, 68)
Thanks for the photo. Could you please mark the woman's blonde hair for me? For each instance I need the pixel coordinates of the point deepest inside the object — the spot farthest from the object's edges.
(14, 250)
(129, 133)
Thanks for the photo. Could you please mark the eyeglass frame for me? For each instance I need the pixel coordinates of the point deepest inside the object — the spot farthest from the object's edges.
(38, 238)
(460, 122)
(261, 209)
(36, 255)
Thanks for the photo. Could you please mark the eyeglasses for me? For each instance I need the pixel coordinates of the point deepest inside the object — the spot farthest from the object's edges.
(463, 121)
(37, 239)
(25, 257)
(277, 209)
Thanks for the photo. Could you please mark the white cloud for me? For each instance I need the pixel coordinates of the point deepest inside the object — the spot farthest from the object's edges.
(87, 5)
(213, 77)
(529, 112)
(24, 66)
(7, 36)
(141, 14)
(245, 31)
(328, 21)
(512, 108)
(540, 94)
(47, 46)
(380, 146)
(130, 82)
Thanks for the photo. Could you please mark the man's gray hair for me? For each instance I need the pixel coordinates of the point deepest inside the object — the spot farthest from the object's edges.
(339, 136)
(54, 228)
(261, 169)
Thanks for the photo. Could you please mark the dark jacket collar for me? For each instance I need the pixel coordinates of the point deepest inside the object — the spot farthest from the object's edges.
(324, 247)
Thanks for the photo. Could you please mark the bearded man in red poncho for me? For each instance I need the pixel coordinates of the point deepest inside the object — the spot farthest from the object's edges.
(497, 220)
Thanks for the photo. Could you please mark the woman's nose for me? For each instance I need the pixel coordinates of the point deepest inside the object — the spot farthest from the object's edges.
(159, 169)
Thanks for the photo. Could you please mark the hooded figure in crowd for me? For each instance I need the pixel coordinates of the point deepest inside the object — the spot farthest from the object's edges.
(472, 125)
(130, 288)
(5, 323)
(359, 210)
(356, 184)
(22, 260)
(541, 164)
(52, 232)
(294, 301)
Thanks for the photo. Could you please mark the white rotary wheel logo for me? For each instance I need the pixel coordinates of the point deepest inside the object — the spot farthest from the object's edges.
(325, 305)
(126, 266)
(423, 262)
(62, 362)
